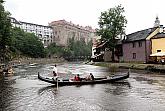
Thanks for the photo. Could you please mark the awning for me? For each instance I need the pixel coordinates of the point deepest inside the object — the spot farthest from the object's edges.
(100, 45)
(159, 54)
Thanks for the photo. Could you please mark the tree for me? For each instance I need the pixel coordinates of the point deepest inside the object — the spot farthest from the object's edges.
(33, 47)
(79, 48)
(54, 50)
(112, 23)
(5, 28)
(75, 49)
(26, 44)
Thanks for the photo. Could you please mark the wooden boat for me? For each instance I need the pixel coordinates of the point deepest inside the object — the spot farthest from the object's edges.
(6, 70)
(63, 82)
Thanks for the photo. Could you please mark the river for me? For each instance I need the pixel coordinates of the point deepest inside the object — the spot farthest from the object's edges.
(143, 91)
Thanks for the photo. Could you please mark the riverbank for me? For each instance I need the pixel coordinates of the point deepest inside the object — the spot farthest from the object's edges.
(34, 60)
(27, 60)
(150, 67)
(37, 60)
(24, 61)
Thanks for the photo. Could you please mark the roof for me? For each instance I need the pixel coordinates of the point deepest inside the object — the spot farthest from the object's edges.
(139, 35)
(159, 35)
(20, 22)
(35, 24)
(64, 22)
(101, 45)
(14, 20)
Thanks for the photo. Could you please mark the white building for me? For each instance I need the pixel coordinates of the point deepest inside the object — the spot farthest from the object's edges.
(14, 22)
(44, 33)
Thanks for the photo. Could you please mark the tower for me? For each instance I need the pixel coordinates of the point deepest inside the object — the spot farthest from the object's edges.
(157, 22)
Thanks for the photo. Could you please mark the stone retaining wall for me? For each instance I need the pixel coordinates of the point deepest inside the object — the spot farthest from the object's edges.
(150, 67)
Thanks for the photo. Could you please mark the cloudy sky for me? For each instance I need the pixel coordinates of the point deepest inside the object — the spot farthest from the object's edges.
(140, 14)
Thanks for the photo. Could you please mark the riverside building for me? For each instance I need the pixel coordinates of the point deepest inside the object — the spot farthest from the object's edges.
(63, 30)
(44, 33)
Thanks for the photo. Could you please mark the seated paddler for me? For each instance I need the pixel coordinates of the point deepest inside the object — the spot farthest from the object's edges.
(77, 78)
(90, 77)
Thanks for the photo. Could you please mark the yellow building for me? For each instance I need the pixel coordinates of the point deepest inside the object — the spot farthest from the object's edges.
(158, 43)
(158, 47)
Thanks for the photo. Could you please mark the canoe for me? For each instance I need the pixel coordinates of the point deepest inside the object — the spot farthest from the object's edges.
(64, 82)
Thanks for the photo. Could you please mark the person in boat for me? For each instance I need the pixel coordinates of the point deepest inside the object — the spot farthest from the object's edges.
(54, 74)
(55, 70)
(90, 77)
(77, 78)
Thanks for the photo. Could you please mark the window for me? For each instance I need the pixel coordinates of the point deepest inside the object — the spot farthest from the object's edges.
(133, 44)
(134, 55)
(140, 44)
(158, 50)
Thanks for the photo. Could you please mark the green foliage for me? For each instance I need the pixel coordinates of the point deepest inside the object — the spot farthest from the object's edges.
(27, 44)
(79, 48)
(53, 49)
(112, 23)
(5, 39)
(74, 49)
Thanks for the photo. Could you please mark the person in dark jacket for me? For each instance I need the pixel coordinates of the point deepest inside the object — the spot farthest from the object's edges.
(91, 77)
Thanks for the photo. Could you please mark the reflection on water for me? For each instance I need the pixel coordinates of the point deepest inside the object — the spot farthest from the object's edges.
(143, 91)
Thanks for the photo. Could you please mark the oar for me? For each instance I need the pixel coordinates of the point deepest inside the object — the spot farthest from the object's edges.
(57, 82)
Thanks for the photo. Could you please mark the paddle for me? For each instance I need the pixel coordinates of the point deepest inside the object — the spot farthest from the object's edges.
(57, 82)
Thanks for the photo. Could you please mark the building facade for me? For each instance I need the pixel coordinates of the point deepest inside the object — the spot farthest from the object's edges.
(137, 46)
(158, 43)
(158, 48)
(15, 23)
(135, 51)
(95, 43)
(44, 33)
(63, 31)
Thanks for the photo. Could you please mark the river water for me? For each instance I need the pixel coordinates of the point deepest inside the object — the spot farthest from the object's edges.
(143, 91)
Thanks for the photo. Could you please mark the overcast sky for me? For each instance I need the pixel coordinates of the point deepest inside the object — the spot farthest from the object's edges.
(140, 14)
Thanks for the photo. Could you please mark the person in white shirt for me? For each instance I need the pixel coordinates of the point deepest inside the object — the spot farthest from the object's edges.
(55, 70)
(55, 73)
